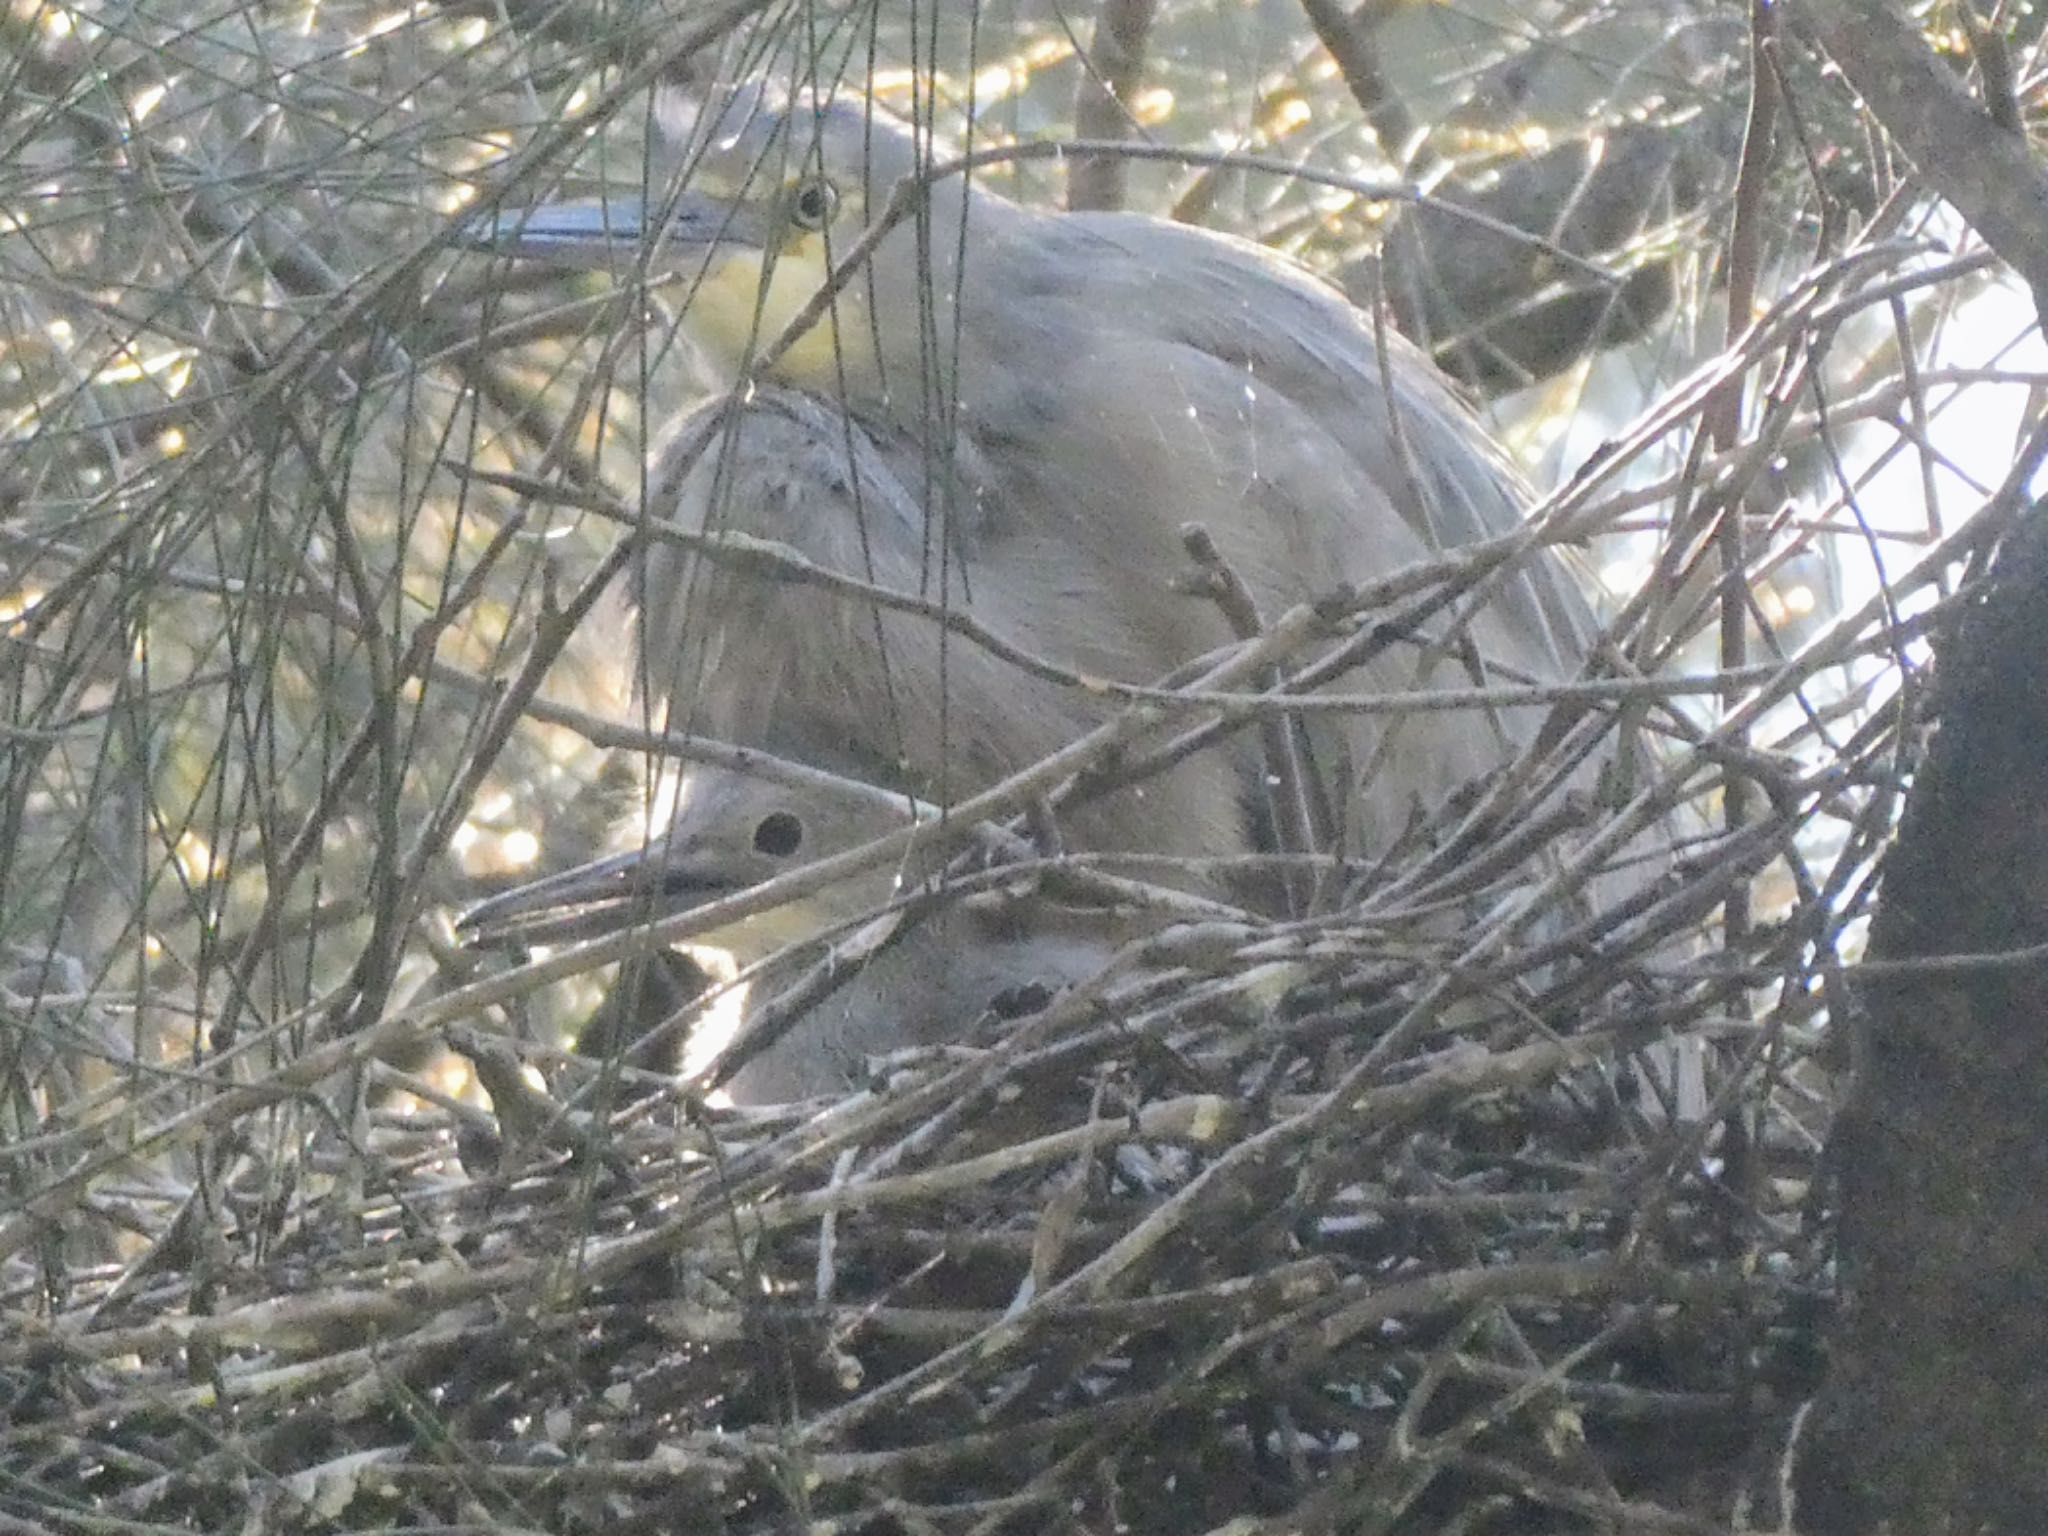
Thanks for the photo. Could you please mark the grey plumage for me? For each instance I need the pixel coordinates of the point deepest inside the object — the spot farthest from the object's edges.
(1050, 411)
(927, 974)
(823, 677)
(954, 959)
(1022, 435)
(961, 965)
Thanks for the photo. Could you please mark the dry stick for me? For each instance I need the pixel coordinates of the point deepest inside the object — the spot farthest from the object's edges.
(1466, 565)
(863, 1119)
(1563, 513)
(780, 562)
(357, 313)
(1880, 402)
(1994, 70)
(1332, 1324)
(1823, 649)
(1287, 787)
(1636, 1516)
(1487, 831)
(902, 200)
(359, 746)
(1833, 314)
(1288, 633)
(377, 962)
(360, 309)
(769, 1021)
(1534, 1377)
(1274, 115)
(1617, 1400)
(1186, 944)
(1989, 173)
(1197, 1120)
(1102, 100)
(1312, 1332)
(888, 922)
(1388, 1106)
(1795, 668)
(1267, 165)
(1721, 426)
(1456, 571)
(1350, 46)
(1409, 1445)
(1272, 1143)
(602, 731)
(1457, 643)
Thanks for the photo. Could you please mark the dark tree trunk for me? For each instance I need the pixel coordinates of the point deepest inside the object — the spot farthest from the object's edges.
(1935, 1418)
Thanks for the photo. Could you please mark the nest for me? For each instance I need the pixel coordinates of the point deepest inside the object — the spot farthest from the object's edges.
(1355, 1221)
(1095, 1277)
(1485, 1199)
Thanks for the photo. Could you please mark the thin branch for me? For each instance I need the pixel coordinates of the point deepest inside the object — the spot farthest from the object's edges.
(1990, 175)
(1102, 102)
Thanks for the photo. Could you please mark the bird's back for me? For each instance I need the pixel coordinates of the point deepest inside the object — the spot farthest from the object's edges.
(1179, 376)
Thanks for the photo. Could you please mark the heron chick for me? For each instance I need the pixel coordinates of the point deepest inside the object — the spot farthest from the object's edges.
(729, 831)
(705, 833)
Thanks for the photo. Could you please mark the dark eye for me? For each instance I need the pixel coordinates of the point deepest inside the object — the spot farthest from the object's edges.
(778, 834)
(812, 202)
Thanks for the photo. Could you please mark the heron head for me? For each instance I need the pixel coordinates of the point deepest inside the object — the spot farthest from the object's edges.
(761, 194)
(706, 833)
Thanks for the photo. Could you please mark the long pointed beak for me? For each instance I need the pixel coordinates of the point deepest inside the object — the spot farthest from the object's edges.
(608, 234)
(603, 896)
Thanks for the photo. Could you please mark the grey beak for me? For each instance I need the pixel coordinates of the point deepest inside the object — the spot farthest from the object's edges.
(607, 235)
(603, 896)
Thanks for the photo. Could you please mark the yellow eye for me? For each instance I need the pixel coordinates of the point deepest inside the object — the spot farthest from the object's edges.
(812, 202)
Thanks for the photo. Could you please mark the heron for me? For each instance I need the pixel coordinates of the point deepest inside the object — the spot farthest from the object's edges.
(1017, 414)
(960, 958)
(1065, 392)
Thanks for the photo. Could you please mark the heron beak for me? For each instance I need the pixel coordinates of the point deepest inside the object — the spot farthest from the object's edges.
(748, 277)
(604, 896)
(609, 234)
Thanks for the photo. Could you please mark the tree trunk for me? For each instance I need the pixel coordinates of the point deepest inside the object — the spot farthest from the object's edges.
(1935, 1418)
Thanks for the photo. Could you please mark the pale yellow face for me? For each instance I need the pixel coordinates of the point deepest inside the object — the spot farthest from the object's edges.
(764, 200)
(734, 315)
(772, 197)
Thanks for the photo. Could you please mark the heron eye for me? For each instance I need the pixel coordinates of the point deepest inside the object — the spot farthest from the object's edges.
(778, 834)
(812, 202)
